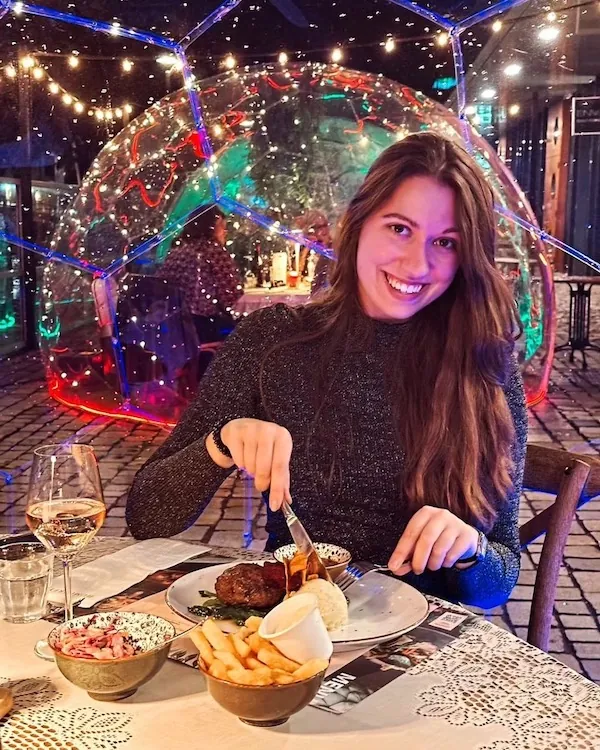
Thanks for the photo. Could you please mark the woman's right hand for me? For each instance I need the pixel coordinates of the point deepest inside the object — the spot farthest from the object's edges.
(263, 449)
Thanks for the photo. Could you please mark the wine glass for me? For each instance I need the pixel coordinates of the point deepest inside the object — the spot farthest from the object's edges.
(65, 505)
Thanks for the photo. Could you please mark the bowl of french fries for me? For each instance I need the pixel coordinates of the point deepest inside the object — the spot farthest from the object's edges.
(250, 678)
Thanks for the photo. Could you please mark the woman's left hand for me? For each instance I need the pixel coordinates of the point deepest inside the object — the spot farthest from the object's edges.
(434, 538)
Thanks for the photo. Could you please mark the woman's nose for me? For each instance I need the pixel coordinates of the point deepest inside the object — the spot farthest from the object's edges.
(415, 262)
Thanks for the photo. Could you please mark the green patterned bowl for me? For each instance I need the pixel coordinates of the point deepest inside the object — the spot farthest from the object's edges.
(115, 679)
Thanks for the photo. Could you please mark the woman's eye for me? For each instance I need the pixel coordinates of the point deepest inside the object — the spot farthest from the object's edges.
(399, 228)
(447, 243)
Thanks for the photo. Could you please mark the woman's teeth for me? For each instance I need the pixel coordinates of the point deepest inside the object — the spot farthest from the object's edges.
(401, 287)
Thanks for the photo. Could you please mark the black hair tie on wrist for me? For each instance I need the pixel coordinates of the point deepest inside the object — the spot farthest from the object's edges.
(216, 433)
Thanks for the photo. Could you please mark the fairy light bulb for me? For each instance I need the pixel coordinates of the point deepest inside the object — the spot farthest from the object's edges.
(27, 62)
(128, 108)
(230, 62)
(337, 55)
(54, 88)
(73, 61)
(10, 71)
(548, 33)
(67, 99)
(127, 66)
(78, 107)
(442, 39)
(283, 58)
(389, 45)
(514, 109)
(38, 73)
(496, 26)
(513, 69)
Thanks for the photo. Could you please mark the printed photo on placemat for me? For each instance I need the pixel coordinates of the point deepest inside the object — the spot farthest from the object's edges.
(350, 685)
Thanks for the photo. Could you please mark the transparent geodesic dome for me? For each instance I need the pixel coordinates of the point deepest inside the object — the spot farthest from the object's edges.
(284, 142)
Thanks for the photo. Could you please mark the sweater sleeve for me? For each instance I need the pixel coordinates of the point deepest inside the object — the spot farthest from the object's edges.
(488, 584)
(175, 485)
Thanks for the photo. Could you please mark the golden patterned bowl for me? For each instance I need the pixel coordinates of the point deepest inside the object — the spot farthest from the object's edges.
(115, 679)
(335, 558)
(263, 705)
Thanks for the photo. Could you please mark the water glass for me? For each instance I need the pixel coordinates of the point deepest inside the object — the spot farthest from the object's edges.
(25, 574)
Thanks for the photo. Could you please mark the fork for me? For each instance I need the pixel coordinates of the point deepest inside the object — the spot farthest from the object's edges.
(355, 571)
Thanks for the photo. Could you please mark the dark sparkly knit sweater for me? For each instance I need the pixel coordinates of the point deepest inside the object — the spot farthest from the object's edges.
(362, 510)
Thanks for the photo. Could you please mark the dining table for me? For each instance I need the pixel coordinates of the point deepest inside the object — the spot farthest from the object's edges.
(259, 297)
(486, 690)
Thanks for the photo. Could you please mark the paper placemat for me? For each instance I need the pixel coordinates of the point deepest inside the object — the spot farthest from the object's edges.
(112, 574)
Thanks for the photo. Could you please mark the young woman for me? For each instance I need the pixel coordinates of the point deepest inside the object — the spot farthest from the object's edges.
(392, 411)
(203, 269)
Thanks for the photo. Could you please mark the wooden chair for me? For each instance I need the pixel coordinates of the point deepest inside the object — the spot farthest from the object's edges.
(574, 479)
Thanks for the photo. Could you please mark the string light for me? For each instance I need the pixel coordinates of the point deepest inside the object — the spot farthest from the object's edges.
(389, 45)
(337, 55)
(229, 62)
(442, 39)
(283, 58)
(127, 65)
(488, 93)
(470, 109)
(73, 61)
(514, 109)
(551, 16)
(496, 26)
(548, 33)
(513, 69)
(38, 73)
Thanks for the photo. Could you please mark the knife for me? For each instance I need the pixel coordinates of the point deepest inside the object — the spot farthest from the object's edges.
(303, 541)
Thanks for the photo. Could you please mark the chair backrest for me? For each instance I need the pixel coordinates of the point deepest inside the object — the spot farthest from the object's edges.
(574, 479)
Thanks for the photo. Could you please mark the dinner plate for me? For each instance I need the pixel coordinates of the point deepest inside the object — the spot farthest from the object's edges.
(381, 608)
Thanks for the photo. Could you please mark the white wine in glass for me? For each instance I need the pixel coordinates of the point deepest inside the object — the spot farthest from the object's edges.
(65, 505)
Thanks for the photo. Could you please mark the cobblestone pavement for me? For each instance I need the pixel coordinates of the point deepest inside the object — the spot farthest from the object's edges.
(570, 418)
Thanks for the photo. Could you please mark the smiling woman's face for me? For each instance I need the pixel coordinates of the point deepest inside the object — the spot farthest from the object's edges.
(408, 250)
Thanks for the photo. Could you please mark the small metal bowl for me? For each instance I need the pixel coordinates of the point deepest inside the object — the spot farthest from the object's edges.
(263, 705)
(337, 557)
(115, 679)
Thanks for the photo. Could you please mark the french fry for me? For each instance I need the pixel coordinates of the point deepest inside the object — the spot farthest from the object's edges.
(218, 669)
(242, 649)
(256, 642)
(310, 669)
(216, 637)
(282, 678)
(204, 648)
(253, 624)
(230, 661)
(243, 632)
(253, 663)
(275, 660)
(249, 677)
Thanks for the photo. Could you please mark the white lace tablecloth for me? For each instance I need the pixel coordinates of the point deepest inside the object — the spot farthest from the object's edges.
(486, 691)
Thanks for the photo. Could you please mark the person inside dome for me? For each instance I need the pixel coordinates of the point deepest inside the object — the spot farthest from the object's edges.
(315, 225)
(208, 277)
(391, 409)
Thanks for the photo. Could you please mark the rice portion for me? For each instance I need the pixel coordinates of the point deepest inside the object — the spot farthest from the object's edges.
(332, 602)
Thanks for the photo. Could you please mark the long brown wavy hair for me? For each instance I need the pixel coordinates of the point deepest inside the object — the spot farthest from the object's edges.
(445, 382)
